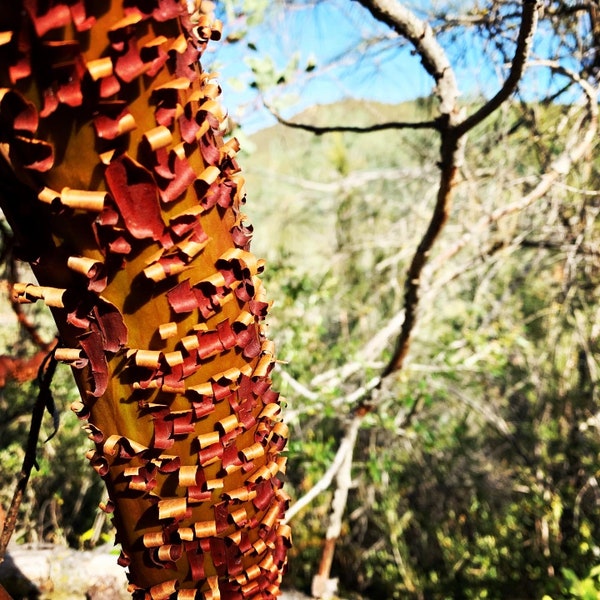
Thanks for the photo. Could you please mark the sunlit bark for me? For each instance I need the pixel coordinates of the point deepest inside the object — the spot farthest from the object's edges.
(125, 198)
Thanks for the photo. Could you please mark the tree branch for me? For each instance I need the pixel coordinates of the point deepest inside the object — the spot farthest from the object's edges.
(321, 584)
(421, 36)
(320, 130)
(564, 10)
(29, 461)
(413, 278)
(436, 63)
(345, 448)
(527, 29)
(576, 146)
(346, 183)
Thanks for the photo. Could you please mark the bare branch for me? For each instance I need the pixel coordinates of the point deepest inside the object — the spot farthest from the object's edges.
(345, 448)
(576, 147)
(436, 63)
(524, 41)
(421, 36)
(413, 277)
(349, 182)
(298, 387)
(320, 130)
(322, 584)
(564, 9)
(590, 485)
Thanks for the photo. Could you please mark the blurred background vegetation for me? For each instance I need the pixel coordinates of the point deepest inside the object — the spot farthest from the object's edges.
(491, 485)
(476, 476)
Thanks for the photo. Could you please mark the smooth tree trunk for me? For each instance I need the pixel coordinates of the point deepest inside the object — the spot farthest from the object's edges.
(126, 200)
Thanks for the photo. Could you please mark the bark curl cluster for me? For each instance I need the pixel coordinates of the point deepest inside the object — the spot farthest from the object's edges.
(126, 199)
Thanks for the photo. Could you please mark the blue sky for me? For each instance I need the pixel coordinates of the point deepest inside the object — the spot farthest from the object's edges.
(332, 36)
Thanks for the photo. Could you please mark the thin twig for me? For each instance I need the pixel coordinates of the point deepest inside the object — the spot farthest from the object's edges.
(349, 182)
(321, 130)
(421, 36)
(346, 447)
(298, 387)
(527, 29)
(43, 399)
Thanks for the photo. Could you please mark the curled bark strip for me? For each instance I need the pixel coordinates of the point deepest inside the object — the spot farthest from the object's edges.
(134, 192)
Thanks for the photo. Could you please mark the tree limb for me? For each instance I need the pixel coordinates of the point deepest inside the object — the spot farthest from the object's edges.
(576, 146)
(438, 219)
(321, 582)
(42, 402)
(320, 130)
(527, 29)
(345, 448)
(421, 36)
(436, 63)
(346, 183)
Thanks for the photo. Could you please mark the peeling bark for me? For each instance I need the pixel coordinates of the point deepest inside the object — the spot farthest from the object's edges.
(125, 199)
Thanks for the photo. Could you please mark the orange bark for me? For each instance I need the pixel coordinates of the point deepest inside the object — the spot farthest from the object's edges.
(4, 594)
(125, 198)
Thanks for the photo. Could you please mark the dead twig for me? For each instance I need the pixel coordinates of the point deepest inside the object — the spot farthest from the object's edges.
(43, 401)
(323, 129)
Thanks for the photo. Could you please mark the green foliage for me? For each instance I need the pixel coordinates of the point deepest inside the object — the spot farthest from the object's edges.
(61, 501)
(586, 588)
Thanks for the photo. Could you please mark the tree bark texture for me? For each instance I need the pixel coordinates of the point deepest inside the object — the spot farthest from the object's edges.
(125, 198)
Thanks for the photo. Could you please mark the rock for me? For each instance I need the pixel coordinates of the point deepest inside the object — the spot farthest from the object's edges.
(293, 595)
(110, 589)
(15, 582)
(56, 572)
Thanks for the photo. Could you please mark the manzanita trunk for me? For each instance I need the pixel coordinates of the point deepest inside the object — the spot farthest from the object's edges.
(125, 199)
